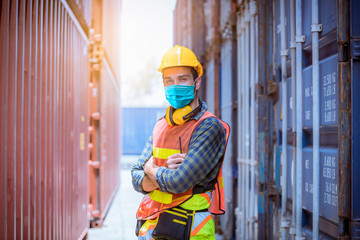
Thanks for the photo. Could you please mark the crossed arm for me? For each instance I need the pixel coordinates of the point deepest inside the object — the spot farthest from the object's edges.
(201, 164)
(149, 182)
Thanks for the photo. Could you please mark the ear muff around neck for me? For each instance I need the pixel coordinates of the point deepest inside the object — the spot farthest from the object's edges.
(168, 116)
(175, 116)
(180, 116)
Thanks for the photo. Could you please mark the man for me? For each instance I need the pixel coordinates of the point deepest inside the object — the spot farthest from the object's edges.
(179, 170)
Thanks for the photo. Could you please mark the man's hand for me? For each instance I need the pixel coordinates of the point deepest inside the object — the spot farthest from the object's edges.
(149, 182)
(174, 161)
(148, 185)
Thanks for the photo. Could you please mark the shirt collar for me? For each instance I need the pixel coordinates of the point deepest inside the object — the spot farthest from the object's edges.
(202, 111)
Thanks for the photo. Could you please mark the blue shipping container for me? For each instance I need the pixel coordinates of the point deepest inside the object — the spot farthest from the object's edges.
(138, 124)
(328, 93)
(328, 182)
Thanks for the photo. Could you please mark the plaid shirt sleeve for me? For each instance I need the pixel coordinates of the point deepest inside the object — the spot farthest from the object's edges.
(200, 166)
(137, 171)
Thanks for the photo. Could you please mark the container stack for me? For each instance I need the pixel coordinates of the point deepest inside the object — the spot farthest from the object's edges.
(282, 74)
(57, 106)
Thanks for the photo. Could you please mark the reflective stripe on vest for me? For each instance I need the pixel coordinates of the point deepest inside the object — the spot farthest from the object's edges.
(200, 220)
(147, 228)
(196, 202)
(164, 153)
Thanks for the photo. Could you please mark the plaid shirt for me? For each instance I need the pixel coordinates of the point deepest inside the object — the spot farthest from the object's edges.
(200, 166)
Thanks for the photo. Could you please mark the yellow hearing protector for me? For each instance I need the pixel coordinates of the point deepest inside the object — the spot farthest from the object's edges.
(180, 116)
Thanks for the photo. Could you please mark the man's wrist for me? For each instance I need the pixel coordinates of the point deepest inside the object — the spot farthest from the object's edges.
(148, 185)
(150, 171)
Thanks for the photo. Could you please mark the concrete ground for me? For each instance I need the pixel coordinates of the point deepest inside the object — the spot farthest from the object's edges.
(120, 221)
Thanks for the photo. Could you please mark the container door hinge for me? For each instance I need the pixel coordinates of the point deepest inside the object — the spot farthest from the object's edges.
(316, 27)
(285, 224)
(300, 38)
(284, 52)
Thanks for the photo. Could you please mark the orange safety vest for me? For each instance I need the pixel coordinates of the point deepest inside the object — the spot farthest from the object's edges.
(166, 143)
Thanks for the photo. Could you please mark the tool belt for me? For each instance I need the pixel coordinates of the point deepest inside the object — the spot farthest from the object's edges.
(173, 224)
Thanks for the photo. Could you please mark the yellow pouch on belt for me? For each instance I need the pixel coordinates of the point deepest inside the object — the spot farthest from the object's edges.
(161, 197)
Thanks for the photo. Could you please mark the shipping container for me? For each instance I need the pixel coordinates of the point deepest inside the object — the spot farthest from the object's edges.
(138, 124)
(190, 31)
(45, 74)
(295, 92)
(227, 96)
(212, 56)
(194, 24)
(354, 107)
(105, 109)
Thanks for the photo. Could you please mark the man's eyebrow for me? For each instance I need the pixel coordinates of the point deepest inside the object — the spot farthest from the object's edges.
(180, 76)
(185, 75)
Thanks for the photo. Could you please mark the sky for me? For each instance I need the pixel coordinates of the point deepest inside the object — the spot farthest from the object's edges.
(146, 34)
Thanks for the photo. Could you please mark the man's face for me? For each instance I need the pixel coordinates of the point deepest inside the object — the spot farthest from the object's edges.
(177, 76)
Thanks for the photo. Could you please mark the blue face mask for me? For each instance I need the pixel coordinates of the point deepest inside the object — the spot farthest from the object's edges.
(179, 95)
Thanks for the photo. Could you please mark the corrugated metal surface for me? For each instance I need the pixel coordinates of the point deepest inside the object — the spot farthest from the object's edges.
(190, 19)
(189, 26)
(111, 34)
(105, 109)
(225, 13)
(355, 114)
(43, 122)
(291, 107)
(182, 24)
(210, 83)
(138, 124)
(45, 74)
(328, 122)
(212, 66)
(226, 106)
(228, 92)
(338, 69)
(266, 95)
(83, 10)
(110, 147)
(355, 148)
(278, 32)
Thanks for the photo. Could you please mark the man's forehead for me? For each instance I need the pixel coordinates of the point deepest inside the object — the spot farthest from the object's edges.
(177, 71)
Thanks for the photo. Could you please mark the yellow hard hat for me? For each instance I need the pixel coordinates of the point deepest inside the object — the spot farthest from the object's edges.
(179, 56)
